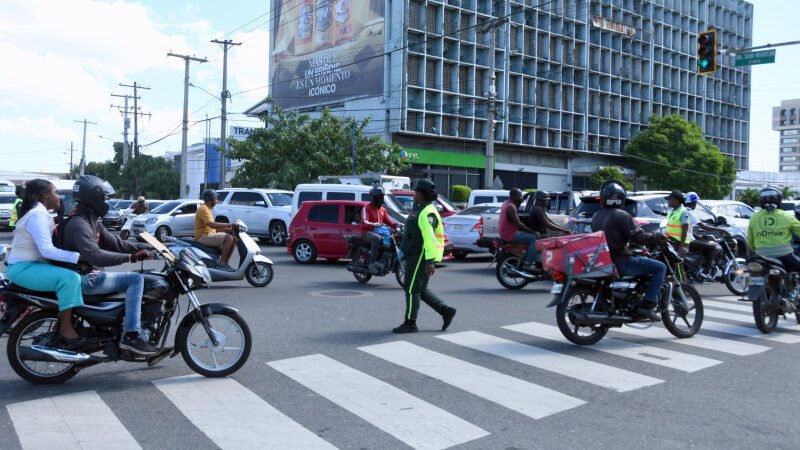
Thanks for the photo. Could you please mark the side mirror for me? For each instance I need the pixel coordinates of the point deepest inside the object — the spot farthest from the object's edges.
(177, 211)
(721, 220)
(439, 207)
(261, 203)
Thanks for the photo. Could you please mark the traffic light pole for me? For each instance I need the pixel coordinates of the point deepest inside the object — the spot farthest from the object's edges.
(734, 51)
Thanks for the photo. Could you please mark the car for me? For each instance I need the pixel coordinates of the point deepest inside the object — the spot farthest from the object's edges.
(734, 212)
(463, 228)
(792, 206)
(267, 212)
(479, 196)
(325, 191)
(113, 220)
(6, 203)
(405, 199)
(173, 218)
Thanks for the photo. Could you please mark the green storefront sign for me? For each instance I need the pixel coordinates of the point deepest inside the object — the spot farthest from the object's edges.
(439, 158)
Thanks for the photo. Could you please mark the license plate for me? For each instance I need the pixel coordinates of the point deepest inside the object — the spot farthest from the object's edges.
(756, 281)
(457, 228)
(556, 289)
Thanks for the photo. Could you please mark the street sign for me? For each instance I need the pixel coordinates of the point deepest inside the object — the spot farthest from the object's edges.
(752, 58)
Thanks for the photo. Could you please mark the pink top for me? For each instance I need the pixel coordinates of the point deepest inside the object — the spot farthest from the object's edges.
(507, 228)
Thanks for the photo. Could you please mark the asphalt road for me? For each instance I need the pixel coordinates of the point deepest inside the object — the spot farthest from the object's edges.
(326, 371)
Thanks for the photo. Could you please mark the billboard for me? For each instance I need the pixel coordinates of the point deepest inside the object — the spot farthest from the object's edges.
(326, 51)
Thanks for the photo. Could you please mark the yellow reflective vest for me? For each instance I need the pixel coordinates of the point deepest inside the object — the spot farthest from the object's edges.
(674, 225)
(432, 234)
(14, 216)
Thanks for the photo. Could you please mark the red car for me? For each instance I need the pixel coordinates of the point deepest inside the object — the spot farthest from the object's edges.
(406, 200)
(319, 227)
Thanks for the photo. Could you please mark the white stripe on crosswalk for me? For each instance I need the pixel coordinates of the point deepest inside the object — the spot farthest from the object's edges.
(738, 306)
(653, 355)
(413, 421)
(698, 340)
(609, 377)
(234, 417)
(783, 325)
(751, 331)
(518, 395)
(73, 421)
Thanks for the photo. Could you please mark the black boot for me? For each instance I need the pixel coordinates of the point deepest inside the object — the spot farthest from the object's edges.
(447, 317)
(648, 309)
(409, 326)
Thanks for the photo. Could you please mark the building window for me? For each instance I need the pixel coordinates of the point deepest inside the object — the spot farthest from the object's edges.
(788, 149)
(784, 168)
(790, 132)
(789, 158)
(789, 140)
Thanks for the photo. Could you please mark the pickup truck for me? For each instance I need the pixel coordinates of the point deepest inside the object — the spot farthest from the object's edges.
(559, 209)
(267, 212)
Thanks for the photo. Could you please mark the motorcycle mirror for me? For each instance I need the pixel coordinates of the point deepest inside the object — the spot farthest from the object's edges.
(721, 220)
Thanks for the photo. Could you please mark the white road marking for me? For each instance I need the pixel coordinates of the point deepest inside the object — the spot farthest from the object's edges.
(234, 417)
(518, 395)
(592, 372)
(649, 354)
(749, 332)
(698, 340)
(73, 421)
(783, 325)
(413, 421)
(738, 306)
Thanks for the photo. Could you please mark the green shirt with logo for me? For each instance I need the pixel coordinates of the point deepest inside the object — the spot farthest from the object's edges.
(770, 233)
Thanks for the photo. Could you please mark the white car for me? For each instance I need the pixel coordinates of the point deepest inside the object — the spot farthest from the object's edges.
(265, 211)
(173, 218)
(463, 229)
(735, 212)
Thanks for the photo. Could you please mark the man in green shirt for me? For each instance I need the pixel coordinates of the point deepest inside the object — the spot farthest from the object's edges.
(771, 229)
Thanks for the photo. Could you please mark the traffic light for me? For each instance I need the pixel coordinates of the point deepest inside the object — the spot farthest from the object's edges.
(707, 52)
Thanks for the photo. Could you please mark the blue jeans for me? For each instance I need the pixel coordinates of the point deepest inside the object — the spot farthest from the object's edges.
(100, 283)
(639, 265)
(530, 239)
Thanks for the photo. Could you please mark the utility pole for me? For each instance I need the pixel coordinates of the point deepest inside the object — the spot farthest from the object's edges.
(83, 151)
(224, 96)
(491, 28)
(70, 158)
(125, 126)
(136, 114)
(186, 59)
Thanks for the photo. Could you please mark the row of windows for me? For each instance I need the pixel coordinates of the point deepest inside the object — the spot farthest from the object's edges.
(790, 132)
(784, 168)
(789, 140)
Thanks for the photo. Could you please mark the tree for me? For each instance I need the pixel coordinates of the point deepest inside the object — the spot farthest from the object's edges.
(672, 154)
(296, 148)
(787, 193)
(606, 173)
(750, 196)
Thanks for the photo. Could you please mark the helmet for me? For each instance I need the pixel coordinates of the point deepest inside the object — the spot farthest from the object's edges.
(612, 194)
(93, 192)
(541, 195)
(770, 198)
(425, 185)
(140, 198)
(691, 197)
(677, 195)
(209, 194)
(376, 191)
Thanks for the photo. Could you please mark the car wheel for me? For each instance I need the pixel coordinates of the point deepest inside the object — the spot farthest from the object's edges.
(304, 252)
(277, 233)
(162, 233)
(460, 254)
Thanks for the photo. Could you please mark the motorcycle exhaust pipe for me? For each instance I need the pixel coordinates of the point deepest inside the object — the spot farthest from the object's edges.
(49, 354)
(523, 274)
(357, 268)
(598, 319)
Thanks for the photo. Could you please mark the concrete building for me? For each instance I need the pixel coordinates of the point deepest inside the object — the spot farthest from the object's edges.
(575, 81)
(786, 120)
(758, 180)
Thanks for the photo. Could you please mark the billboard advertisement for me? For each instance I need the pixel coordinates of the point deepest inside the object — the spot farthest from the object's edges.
(326, 51)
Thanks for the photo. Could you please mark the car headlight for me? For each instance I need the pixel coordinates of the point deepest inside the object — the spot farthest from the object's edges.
(151, 221)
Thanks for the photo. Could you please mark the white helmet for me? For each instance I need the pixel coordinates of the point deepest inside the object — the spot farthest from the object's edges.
(691, 197)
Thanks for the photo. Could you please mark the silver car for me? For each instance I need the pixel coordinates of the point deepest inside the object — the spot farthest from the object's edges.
(173, 218)
(734, 212)
(463, 228)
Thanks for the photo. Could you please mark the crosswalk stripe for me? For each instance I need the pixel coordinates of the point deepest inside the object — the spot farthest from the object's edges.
(73, 421)
(751, 331)
(739, 306)
(649, 354)
(783, 325)
(413, 421)
(603, 375)
(518, 395)
(234, 417)
(698, 340)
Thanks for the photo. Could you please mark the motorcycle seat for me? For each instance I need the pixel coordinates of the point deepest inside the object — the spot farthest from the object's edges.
(205, 248)
(773, 261)
(635, 277)
(87, 299)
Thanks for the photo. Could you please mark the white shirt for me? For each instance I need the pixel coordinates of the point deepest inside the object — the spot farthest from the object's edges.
(693, 221)
(33, 239)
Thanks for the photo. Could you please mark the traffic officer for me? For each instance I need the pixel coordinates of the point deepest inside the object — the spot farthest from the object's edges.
(422, 247)
(678, 222)
(771, 229)
(16, 207)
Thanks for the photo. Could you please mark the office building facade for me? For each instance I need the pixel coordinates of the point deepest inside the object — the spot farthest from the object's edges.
(786, 121)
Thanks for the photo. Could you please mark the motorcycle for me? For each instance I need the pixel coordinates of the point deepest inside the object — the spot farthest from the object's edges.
(253, 266)
(387, 261)
(213, 339)
(773, 291)
(510, 260)
(728, 269)
(587, 305)
(125, 231)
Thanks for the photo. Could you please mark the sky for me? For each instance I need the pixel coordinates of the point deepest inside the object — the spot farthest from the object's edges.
(64, 59)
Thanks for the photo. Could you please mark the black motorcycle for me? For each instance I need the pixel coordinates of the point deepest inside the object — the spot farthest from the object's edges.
(728, 269)
(387, 261)
(213, 338)
(773, 291)
(587, 305)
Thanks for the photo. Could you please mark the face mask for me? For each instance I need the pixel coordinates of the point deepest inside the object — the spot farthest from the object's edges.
(378, 201)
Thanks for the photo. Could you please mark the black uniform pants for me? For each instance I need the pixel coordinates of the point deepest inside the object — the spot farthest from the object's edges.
(416, 288)
(374, 240)
(707, 249)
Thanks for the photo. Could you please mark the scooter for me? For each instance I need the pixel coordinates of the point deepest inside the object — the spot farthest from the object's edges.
(125, 231)
(253, 266)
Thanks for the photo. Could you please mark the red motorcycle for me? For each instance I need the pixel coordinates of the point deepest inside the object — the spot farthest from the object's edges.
(510, 259)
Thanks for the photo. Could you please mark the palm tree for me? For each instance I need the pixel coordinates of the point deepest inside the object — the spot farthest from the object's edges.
(750, 196)
(787, 193)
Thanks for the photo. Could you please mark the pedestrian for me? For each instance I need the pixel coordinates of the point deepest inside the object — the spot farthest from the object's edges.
(17, 207)
(422, 247)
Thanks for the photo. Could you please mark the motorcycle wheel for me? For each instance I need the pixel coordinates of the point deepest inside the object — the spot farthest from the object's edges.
(765, 310)
(124, 235)
(200, 354)
(504, 275)
(362, 277)
(679, 321)
(259, 274)
(400, 274)
(37, 328)
(735, 282)
(577, 299)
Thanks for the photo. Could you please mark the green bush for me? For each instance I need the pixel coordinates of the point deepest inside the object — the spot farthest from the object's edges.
(460, 193)
(530, 190)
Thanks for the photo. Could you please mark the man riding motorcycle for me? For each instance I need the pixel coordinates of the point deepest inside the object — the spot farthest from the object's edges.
(214, 234)
(512, 229)
(696, 242)
(373, 216)
(538, 219)
(620, 230)
(771, 229)
(140, 207)
(83, 232)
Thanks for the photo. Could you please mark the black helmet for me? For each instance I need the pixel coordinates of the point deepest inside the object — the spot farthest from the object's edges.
(93, 192)
(209, 194)
(612, 194)
(541, 195)
(770, 198)
(376, 191)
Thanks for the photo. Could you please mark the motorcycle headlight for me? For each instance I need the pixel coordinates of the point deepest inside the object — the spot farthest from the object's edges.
(151, 221)
(755, 267)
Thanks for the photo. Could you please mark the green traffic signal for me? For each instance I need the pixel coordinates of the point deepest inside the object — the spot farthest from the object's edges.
(707, 52)
(704, 63)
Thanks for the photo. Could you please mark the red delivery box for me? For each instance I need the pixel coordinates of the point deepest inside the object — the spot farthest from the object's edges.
(579, 255)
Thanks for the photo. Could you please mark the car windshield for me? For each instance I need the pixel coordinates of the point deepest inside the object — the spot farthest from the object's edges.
(111, 206)
(588, 207)
(448, 205)
(280, 199)
(124, 204)
(7, 198)
(405, 200)
(478, 210)
(165, 208)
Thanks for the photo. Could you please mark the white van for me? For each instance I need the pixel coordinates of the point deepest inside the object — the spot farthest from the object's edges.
(319, 191)
(388, 182)
(7, 186)
(478, 196)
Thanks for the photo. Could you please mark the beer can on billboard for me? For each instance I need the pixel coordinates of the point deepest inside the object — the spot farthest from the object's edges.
(324, 29)
(344, 22)
(305, 27)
